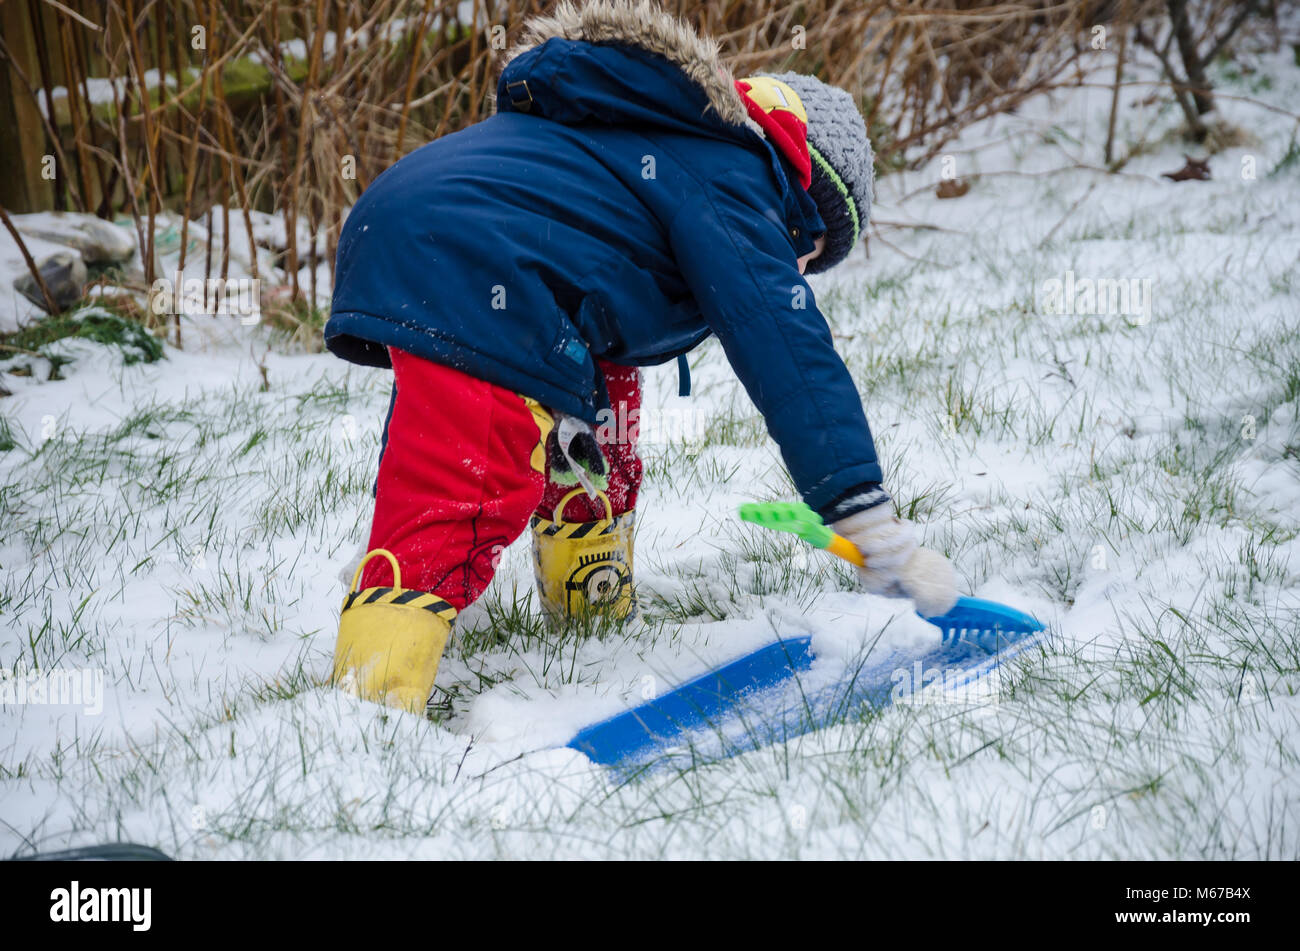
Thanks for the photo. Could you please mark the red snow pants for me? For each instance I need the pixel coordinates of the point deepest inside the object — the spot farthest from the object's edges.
(464, 469)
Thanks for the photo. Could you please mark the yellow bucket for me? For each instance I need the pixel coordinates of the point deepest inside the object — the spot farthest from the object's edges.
(584, 568)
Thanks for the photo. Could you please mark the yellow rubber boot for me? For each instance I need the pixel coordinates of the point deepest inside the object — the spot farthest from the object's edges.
(390, 641)
(584, 568)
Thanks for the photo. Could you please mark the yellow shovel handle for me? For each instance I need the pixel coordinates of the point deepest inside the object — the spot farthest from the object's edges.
(843, 548)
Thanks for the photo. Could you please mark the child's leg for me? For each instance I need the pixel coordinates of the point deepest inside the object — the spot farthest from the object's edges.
(619, 449)
(458, 479)
(582, 561)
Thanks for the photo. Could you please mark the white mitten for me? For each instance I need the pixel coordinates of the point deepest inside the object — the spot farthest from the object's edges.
(886, 542)
(895, 566)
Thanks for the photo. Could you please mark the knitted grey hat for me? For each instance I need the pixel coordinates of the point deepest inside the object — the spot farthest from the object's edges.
(843, 173)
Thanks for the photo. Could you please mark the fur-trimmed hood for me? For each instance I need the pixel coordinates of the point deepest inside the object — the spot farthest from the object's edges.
(644, 25)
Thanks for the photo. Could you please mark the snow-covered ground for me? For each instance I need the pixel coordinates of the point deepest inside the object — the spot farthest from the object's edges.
(1132, 478)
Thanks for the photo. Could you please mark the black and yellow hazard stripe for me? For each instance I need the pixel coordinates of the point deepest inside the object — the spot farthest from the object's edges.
(406, 596)
(575, 529)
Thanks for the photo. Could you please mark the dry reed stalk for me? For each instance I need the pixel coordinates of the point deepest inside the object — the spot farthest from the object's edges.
(80, 119)
(123, 160)
(402, 72)
(107, 180)
(1119, 79)
(50, 306)
(191, 165)
(47, 88)
(128, 19)
(304, 114)
(410, 80)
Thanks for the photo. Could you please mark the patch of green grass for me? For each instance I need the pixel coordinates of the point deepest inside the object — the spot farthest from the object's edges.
(738, 425)
(95, 322)
(7, 439)
(297, 325)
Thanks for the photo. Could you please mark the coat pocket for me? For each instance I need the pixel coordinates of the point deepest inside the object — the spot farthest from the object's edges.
(568, 353)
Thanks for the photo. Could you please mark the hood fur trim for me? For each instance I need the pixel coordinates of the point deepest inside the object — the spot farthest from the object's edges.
(643, 24)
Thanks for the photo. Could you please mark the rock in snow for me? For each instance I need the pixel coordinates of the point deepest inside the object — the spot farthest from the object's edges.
(64, 274)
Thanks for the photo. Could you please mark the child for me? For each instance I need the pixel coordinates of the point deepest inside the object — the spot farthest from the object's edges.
(628, 199)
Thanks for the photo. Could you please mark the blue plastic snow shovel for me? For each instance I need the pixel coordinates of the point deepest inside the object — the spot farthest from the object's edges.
(755, 700)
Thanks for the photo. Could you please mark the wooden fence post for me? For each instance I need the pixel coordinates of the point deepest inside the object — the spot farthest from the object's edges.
(22, 189)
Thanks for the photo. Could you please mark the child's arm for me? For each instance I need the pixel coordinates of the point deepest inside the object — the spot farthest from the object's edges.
(744, 274)
(742, 271)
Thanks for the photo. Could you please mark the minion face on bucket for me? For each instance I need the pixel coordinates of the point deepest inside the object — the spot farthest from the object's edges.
(600, 580)
(584, 568)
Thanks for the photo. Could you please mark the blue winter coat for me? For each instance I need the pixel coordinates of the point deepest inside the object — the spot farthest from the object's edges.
(605, 210)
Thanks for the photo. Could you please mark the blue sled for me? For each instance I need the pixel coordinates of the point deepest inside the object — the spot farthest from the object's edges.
(757, 700)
